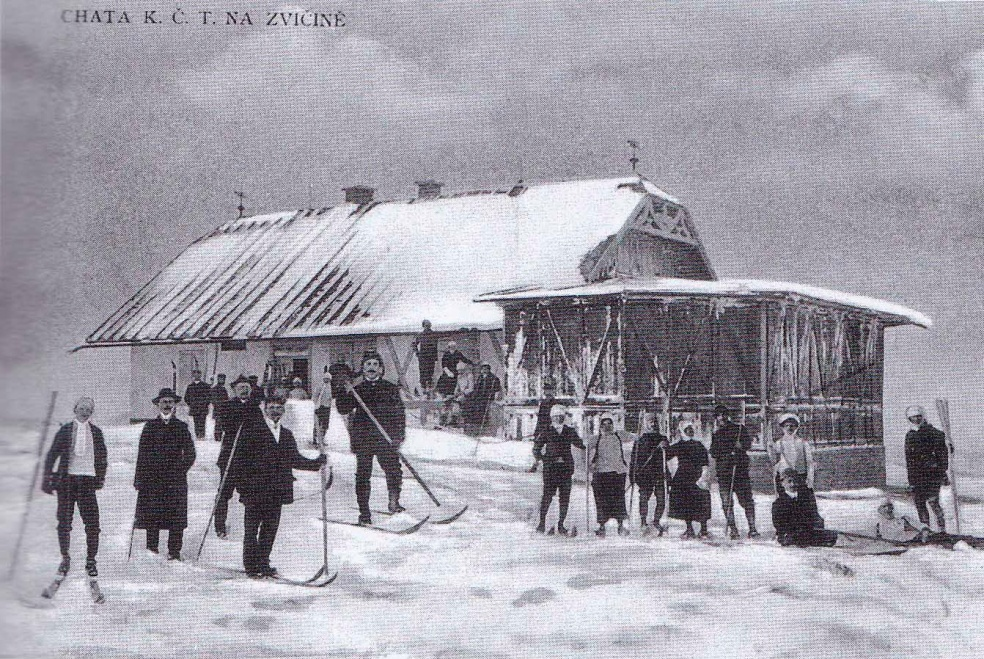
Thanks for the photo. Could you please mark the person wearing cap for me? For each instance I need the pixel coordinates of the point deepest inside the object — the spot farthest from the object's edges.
(266, 482)
(553, 448)
(690, 498)
(450, 360)
(382, 398)
(926, 461)
(543, 414)
(197, 397)
(790, 451)
(901, 530)
(239, 410)
(795, 516)
(219, 398)
(729, 449)
(164, 455)
(79, 450)
(606, 459)
(425, 345)
(478, 418)
(297, 390)
(647, 466)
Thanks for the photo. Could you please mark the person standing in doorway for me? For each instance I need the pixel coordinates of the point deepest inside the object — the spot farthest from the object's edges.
(79, 451)
(165, 454)
(197, 397)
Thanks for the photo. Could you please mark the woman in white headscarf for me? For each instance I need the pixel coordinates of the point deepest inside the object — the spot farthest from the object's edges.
(690, 498)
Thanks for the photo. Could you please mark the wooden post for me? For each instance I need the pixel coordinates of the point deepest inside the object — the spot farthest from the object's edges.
(943, 408)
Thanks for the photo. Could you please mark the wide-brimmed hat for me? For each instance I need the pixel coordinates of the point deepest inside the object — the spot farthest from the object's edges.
(166, 392)
(789, 416)
(241, 379)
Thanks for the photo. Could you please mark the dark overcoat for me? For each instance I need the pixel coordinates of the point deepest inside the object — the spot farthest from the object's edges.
(61, 446)
(236, 414)
(687, 501)
(554, 448)
(165, 455)
(197, 397)
(383, 399)
(265, 471)
(926, 456)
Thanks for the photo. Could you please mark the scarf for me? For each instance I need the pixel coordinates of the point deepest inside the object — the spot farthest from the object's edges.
(83, 437)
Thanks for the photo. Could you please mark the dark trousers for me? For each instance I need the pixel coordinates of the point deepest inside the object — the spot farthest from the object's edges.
(648, 489)
(426, 368)
(199, 420)
(80, 490)
(734, 480)
(323, 415)
(175, 540)
(609, 496)
(260, 524)
(928, 493)
(222, 506)
(389, 460)
(555, 481)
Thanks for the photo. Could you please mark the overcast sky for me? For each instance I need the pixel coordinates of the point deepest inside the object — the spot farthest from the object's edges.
(812, 142)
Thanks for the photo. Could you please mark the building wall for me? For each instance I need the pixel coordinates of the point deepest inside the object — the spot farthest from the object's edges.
(838, 468)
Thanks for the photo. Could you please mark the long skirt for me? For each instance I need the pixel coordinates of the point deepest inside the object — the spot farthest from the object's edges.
(689, 502)
(609, 495)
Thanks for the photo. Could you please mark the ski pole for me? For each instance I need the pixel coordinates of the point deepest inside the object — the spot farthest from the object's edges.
(133, 528)
(386, 436)
(222, 482)
(324, 498)
(943, 409)
(34, 484)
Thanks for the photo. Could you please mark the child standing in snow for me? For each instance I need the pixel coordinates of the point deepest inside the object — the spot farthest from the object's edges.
(690, 498)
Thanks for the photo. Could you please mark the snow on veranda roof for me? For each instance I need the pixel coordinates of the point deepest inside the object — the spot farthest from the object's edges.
(379, 267)
(669, 286)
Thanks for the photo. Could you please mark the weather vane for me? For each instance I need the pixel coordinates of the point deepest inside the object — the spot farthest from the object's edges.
(634, 159)
(240, 207)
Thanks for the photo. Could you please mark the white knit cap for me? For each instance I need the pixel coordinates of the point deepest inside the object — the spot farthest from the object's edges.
(789, 416)
(913, 410)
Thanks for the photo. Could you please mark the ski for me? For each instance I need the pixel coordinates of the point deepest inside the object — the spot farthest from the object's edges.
(52, 589)
(95, 592)
(311, 583)
(372, 527)
(571, 532)
(445, 520)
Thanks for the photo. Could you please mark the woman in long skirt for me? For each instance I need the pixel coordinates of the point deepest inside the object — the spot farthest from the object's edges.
(606, 459)
(690, 497)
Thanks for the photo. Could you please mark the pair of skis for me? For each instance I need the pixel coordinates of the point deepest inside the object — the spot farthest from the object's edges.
(94, 591)
(413, 528)
(321, 579)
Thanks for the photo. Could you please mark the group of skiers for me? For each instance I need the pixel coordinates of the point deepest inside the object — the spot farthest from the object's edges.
(258, 454)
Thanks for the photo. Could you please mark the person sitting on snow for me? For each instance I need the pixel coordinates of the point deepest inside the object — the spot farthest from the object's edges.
(903, 531)
(795, 516)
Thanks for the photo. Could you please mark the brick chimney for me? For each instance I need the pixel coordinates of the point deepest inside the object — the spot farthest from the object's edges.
(358, 194)
(429, 189)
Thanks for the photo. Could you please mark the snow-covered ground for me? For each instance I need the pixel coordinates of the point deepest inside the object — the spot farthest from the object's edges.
(484, 586)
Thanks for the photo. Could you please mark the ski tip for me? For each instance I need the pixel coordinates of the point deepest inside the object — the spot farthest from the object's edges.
(448, 520)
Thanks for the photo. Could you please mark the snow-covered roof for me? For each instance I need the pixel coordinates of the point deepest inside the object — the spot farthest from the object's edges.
(377, 267)
(719, 288)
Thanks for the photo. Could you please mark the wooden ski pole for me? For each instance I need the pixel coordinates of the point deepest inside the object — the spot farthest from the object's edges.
(34, 483)
(325, 484)
(379, 426)
(222, 482)
(943, 409)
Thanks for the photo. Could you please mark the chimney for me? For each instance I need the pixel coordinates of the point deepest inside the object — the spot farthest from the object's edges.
(429, 189)
(358, 194)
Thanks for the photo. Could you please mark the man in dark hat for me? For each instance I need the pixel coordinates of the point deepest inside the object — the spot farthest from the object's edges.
(80, 451)
(382, 398)
(266, 482)
(197, 397)
(165, 454)
(729, 448)
(239, 410)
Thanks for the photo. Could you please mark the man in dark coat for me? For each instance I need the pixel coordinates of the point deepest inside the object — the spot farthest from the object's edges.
(197, 397)
(795, 516)
(647, 469)
(382, 397)
(552, 446)
(80, 453)
(266, 483)
(256, 394)
(729, 448)
(478, 414)
(220, 396)
(239, 410)
(926, 461)
(448, 381)
(425, 346)
(165, 454)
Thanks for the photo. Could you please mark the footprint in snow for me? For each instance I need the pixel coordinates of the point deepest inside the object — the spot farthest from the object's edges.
(534, 596)
(584, 581)
(284, 604)
(259, 623)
